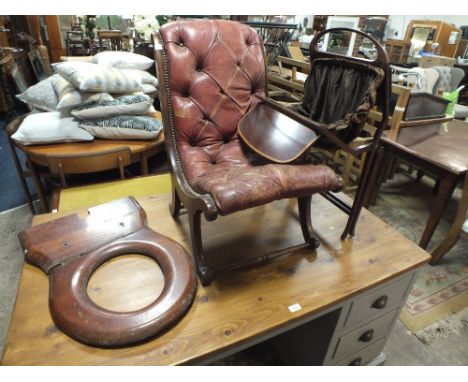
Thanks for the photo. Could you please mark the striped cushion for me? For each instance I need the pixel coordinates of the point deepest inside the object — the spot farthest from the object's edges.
(89, 77)
(69, 97)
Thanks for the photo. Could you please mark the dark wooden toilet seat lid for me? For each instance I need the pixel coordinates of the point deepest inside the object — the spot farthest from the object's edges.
(70, 249)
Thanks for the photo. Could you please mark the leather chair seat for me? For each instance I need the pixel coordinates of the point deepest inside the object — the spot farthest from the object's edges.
(238, 187)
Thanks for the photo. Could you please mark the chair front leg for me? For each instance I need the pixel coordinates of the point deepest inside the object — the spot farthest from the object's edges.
(204, 273)
(304, 204)
(175, 206)
(362, 193)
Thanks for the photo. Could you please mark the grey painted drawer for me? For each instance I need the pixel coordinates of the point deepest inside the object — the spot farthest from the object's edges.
(378, 301)
(365, 335)
(364, 356)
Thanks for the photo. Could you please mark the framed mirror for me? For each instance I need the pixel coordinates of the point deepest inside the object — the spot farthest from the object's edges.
(419, 37)
(340, 43)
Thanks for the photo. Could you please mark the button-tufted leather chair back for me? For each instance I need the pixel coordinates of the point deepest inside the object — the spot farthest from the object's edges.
(215, 67)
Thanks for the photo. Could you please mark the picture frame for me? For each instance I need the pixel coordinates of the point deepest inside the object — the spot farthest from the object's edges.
(11, 69)
(18, 79)
(37, 64)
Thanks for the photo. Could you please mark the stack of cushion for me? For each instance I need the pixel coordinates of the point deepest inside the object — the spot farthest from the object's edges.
(108, 97)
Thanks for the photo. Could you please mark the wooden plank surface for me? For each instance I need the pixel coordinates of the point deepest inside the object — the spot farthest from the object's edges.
(238, 307)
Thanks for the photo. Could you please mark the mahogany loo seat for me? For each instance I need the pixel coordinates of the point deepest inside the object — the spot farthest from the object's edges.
(70, 249)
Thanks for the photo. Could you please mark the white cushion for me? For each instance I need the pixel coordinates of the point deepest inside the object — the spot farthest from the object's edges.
(142, 77)
(89, 77)
(149, 89)
(49, 127)
(42, 95)
(123, 60)
(123, 127)
(69, 97)
(126, 105)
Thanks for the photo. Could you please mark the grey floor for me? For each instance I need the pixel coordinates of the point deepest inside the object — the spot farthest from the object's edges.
(403, 348)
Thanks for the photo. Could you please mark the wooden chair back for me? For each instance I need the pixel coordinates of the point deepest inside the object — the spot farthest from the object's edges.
(112, 39)
(395, 120)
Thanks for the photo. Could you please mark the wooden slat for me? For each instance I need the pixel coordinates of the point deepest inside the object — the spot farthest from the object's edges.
(281, 81)
(305, 66)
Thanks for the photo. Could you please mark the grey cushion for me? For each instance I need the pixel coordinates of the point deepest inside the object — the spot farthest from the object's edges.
(457, 76)
(42, 95)
(449, 78)
(461, 111)
(445, 79)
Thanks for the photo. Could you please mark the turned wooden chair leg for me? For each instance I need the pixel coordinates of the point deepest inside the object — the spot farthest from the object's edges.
(204, 273)
(359, 197)
(375, 179)
(382, 167)
(304, 204)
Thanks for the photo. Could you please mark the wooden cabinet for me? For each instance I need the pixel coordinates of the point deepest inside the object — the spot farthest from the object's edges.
(397, 50)
(357, 329)
(447, 35)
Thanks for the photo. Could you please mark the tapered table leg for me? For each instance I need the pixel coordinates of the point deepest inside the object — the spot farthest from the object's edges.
(447, 185)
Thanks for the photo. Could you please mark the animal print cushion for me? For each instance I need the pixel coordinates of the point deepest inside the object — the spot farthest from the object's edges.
(126, 105)
(42, 95)
(123, 127)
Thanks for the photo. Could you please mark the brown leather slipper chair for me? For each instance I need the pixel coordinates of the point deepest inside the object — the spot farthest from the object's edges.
(212, 73)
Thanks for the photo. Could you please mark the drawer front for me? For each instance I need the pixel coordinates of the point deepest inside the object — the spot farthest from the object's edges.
(364, 356)
(378, 301)
(365, 335)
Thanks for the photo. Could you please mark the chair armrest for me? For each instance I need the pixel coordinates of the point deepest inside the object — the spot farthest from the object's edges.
(274, 135)
(318, 129)
(192, 199)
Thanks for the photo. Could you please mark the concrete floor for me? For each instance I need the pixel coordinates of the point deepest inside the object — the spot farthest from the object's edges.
(402, 348)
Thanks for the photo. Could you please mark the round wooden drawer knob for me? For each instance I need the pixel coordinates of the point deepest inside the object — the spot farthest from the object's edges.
(367, 336)
(380, 303)
(356, 362)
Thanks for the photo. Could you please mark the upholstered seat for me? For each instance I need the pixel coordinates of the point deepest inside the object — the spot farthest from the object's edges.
(240, 186)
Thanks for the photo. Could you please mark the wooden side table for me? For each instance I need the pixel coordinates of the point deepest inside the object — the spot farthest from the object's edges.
(335, 305)
(441, 150)
(83, 152)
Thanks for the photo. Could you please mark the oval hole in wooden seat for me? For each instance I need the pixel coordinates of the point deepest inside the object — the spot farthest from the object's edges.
(126, 283)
